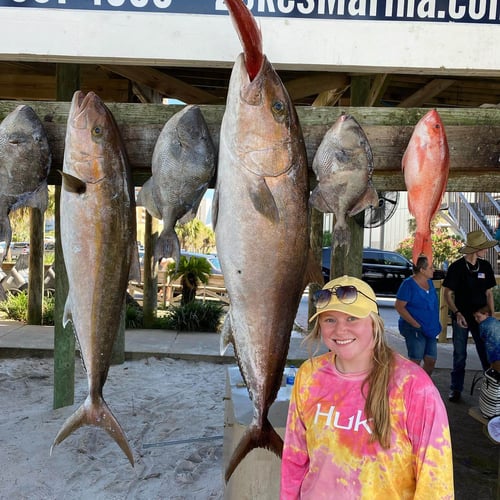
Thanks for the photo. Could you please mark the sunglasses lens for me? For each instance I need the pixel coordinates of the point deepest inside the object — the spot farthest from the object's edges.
(322, 297)
(347, 294)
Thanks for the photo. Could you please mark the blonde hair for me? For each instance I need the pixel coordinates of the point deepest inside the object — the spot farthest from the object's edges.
(377, 399)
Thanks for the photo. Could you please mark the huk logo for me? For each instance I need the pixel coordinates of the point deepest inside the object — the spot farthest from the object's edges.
(332, 418)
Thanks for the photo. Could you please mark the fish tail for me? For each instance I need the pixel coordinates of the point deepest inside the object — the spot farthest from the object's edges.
(255, 437)
(167, 246)
(97, 414)
(422, 245)
(341, 235)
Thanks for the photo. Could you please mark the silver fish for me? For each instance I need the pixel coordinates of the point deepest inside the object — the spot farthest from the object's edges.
(182, 166)
(261, 227)
(343, 165)
(98, 237)
(25, 160)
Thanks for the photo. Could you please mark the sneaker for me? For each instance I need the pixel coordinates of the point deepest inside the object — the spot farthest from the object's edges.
(454, 396)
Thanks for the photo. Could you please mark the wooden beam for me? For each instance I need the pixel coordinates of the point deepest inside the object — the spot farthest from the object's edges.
(472, 137)
(329, 97)
(377, 90)
(164, 84)
(316, 84)
(421, 96)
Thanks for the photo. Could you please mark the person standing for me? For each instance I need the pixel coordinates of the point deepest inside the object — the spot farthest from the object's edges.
(467, 286)
(418, 307)
(363, 421)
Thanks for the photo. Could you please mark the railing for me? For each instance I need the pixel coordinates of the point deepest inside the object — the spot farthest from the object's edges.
(476, 211)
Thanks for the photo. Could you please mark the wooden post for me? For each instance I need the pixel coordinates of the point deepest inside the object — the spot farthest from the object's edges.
(150, 297)
(342, 262)
(317, 250)
(68, 80)
(35, 282)
(64, 338)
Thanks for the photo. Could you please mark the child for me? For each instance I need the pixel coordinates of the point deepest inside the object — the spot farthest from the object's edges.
(489, 330)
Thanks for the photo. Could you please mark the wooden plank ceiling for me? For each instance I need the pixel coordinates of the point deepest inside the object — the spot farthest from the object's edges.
(120, 83)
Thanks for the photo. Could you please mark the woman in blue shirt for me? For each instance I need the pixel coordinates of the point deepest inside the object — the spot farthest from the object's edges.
(418, 307)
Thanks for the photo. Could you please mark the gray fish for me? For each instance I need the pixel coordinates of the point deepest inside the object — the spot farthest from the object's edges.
(182, 166)
(343, 165)
(98, 237)
(25, 160)
(261, 226)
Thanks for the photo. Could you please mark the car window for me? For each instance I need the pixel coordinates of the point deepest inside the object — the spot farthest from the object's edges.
(394, 259)
(372, 258)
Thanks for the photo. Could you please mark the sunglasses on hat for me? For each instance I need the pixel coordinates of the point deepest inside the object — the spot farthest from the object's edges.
(347, 294)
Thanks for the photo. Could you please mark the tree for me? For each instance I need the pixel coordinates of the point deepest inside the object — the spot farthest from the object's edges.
(192, 272)
(445, 247)
(196, 236)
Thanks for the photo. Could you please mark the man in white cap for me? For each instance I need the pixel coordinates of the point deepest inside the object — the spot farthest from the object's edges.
(468, 286)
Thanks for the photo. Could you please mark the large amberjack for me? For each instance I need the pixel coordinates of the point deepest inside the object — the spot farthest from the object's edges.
(426, 165)
(182, 166)
(98, 236)
(25, 160)
(343, 165)
(261, 226)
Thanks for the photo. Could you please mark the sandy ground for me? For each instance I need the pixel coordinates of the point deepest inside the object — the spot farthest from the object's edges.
(172, 412)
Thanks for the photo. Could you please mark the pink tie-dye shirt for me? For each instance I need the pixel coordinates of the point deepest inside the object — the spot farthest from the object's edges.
(328, 453)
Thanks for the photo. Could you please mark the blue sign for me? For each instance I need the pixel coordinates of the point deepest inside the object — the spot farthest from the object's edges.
(448, 11)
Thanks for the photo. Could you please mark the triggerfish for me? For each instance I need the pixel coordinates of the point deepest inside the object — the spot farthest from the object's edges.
(343, 165)
(182, 166)
(25, 160)
(426, 164)
(261, 226)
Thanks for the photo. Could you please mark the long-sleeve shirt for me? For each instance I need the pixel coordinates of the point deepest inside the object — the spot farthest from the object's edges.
(328, 452)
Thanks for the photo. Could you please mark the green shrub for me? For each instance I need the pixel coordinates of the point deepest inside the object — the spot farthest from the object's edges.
(16, 308)
(196, 316)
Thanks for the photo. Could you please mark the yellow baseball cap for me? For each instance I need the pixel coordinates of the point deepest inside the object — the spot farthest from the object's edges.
(348, 295)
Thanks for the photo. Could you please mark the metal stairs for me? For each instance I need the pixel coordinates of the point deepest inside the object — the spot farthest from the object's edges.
(467, 212)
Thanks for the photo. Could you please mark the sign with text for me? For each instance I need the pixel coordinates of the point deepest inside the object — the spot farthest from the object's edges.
(447, 11)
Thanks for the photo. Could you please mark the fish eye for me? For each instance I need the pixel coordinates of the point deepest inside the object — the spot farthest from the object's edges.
(278, 107)
(97, 131)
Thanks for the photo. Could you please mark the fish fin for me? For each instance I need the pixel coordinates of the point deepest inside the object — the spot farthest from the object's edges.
(255, 437)
(422, 245)
(134, 273)
(145, 199)
(99, 415)
(226, 335)
(6, 234)
(369, 199)
(313, 272)
(317, 201)
(72, 184)
(167, 246)
(67, 315)
(215, 208)
(39, 198)
(188, 216)
(263, 200)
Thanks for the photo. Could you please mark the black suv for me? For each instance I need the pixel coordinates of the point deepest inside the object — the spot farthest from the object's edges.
(383, 270)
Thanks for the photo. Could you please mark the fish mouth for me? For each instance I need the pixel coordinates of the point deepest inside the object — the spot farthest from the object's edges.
(85, 108)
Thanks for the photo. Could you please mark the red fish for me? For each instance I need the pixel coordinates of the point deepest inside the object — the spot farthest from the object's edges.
(426, 164)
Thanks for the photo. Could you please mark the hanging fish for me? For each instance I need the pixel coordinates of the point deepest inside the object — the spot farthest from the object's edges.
(426, 165)
(343, 165)
(25, 160)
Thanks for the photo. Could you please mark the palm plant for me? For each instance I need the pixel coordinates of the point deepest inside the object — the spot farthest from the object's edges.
(192, 272)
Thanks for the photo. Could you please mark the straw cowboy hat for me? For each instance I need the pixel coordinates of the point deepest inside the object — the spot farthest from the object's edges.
(476, 240)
